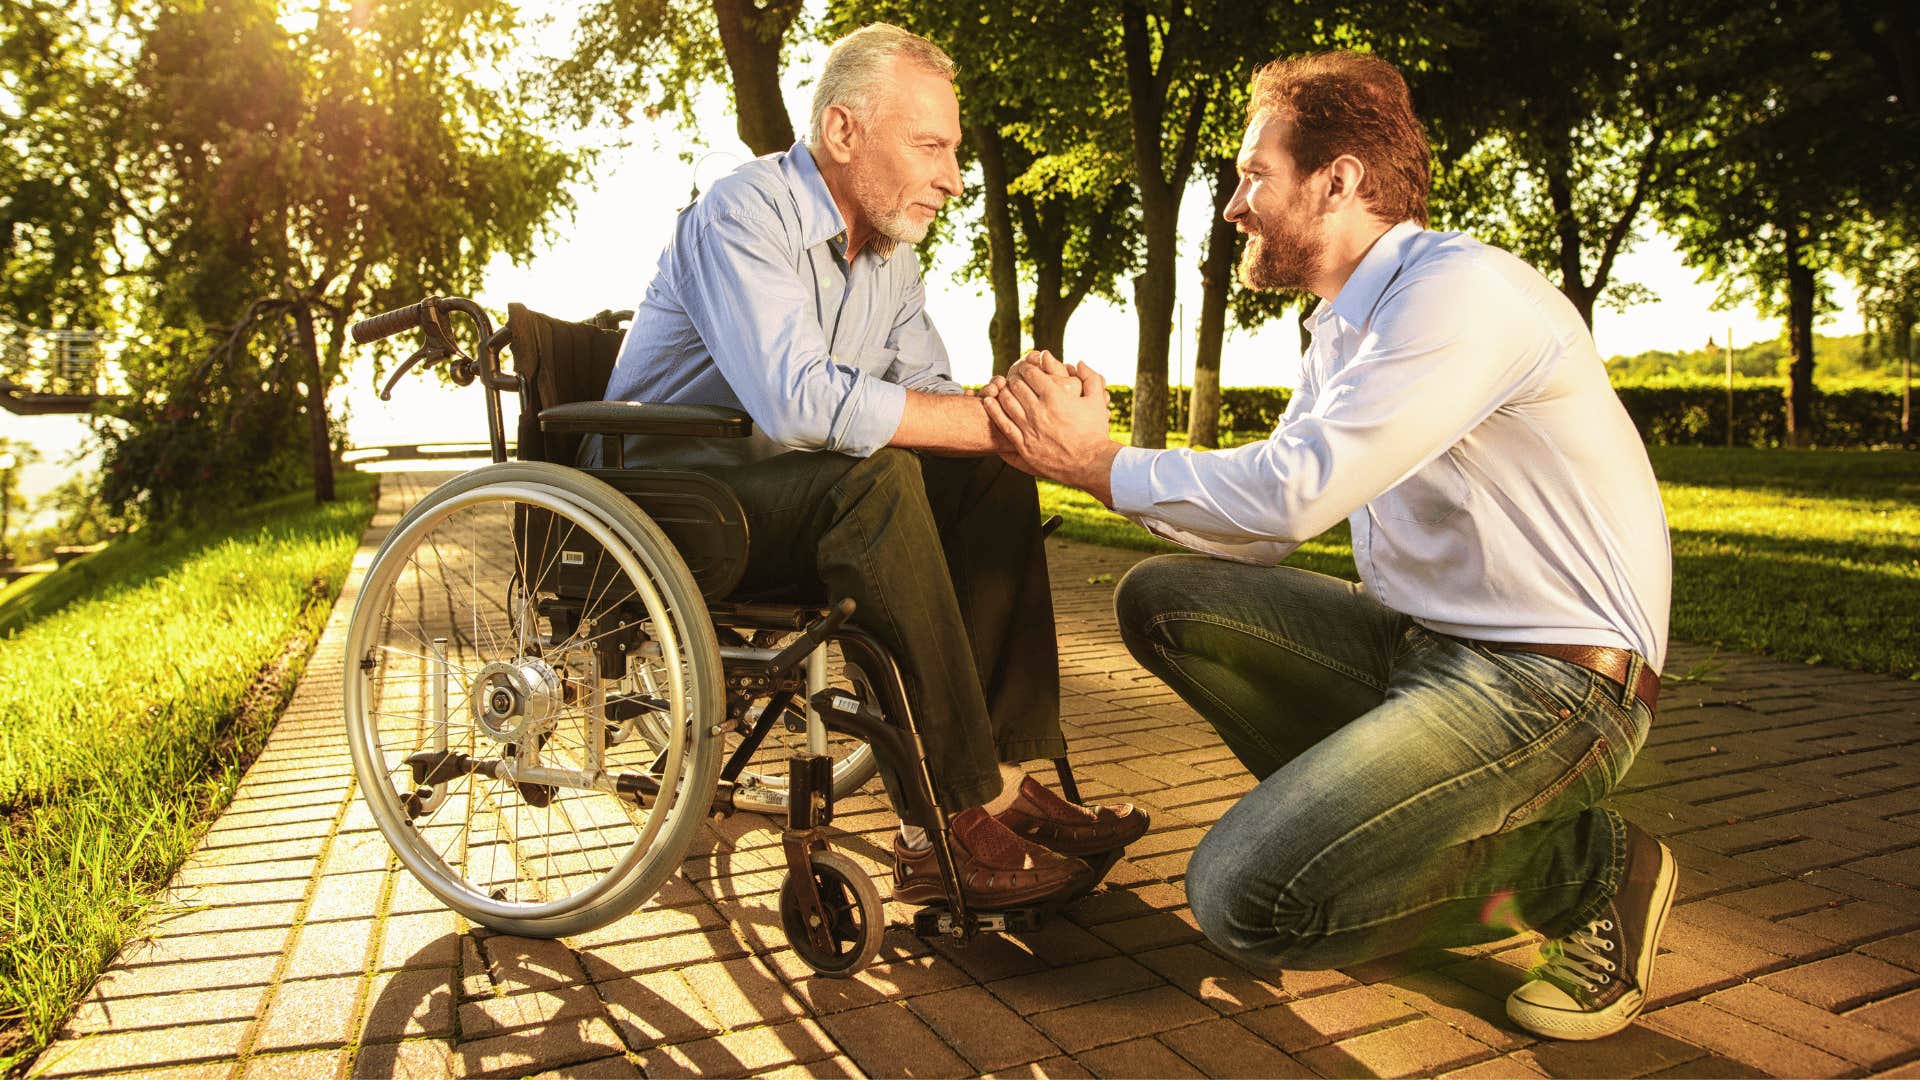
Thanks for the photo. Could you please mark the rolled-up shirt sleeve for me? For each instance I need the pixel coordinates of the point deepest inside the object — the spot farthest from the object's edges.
(755, 318)
(921, 360)
(1426, 375)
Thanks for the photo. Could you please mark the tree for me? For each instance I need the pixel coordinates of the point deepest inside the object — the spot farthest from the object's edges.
(1053, 194)
(63, 116)
(1551, 128)
(1756, 200)
(656, 54)
(354, 164)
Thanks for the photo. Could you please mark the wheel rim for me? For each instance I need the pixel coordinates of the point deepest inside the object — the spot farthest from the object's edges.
(517, 686)
(849, 913)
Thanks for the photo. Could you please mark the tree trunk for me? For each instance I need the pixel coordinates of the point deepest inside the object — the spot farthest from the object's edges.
(1003, 332)
(752, 38)
(1904, 338)
(1160, 184)
(1216, 282)
(319, 438)
(1800, 287)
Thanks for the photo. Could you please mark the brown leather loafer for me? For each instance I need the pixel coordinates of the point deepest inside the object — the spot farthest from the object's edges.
(1037, 814)
(997, 869)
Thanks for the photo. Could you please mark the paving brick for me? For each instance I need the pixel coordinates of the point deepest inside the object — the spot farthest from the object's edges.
(1061, 987)
(889, 1040)
(305, 1065)
(658, 1007)
(1479, 1015)
(1319, 1020)
(1145, 1057)
(741, 993)
(1899, 1014)
(1053, 1068)
(1500, 1068)
(336, 948)
(981, 1029)
(1743, 1040)
(409, 1004)
(1639, 1050)
(1841, 982)
(1855, 923)
(314, 1013)
(1903, 950)
(537, 1049)
(1144, 1012)
(531, 1008)
(517, 963)
(1205, 975)
(1224, 1048)
(97, 1013)
(146, 1050)
(1841, 1036)
(1421, 1048)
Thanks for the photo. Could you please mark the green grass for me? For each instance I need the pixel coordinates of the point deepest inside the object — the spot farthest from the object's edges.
(134, 684)
(1801, 555)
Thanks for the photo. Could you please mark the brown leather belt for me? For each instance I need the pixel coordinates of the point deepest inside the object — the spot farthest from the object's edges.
(1608, 663)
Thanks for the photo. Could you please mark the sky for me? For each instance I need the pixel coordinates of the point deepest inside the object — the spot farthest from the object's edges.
(603, 256)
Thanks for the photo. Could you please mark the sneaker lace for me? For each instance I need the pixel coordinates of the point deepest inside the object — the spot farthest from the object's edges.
(1582, 959)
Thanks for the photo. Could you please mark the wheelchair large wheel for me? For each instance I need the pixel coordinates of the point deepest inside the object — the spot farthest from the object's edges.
(504, 630)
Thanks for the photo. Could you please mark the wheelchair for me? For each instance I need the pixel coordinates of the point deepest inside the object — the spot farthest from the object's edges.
(546, 664)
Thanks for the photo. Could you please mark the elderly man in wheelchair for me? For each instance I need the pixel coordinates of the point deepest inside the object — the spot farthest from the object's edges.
(786, 291)
(772, 460)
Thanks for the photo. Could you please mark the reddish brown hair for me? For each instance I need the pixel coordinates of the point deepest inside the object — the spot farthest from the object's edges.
(1351, 103)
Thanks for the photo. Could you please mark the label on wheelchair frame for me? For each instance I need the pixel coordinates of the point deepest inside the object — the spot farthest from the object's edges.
(573, 558)
(845, 704)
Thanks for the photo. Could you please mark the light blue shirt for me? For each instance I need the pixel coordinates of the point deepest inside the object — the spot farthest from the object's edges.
(754, 306)
(1453, 409)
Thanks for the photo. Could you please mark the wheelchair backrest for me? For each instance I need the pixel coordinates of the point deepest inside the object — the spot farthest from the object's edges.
(558, 362)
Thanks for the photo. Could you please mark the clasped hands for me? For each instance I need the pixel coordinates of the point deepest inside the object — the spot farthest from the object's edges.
(1053, 417)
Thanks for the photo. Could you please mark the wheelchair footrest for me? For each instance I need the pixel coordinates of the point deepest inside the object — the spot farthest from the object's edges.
(939, 922)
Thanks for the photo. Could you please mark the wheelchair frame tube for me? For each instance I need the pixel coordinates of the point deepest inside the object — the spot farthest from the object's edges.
(902, 756)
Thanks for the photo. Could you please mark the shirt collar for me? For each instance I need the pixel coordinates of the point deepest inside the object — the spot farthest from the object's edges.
(820, 220)
(1361, 294)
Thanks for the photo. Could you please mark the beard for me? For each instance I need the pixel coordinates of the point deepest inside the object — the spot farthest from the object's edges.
(1280, 255)
(893, 220)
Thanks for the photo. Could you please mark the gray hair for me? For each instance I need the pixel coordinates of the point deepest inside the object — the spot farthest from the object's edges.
(858, 66)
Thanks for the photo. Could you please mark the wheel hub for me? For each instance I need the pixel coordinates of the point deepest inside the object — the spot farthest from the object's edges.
(514, 700)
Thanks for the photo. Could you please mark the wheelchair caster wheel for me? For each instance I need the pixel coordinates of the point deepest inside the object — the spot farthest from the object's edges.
(856, 922)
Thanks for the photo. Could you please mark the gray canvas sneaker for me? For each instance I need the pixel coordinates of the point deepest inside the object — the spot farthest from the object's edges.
(1594, 981)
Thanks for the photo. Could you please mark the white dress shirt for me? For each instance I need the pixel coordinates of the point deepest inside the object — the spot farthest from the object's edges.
(1452, 407)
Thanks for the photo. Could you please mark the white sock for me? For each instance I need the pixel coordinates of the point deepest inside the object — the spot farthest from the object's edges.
(1010, 779)
(914, 837)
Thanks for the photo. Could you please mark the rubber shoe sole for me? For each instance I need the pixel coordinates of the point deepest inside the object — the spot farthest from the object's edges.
(1578, 1024)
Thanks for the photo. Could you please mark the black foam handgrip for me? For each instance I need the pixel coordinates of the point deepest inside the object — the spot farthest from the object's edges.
(389, 323)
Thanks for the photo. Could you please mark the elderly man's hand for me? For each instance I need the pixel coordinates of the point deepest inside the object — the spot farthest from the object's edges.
(1055, 418)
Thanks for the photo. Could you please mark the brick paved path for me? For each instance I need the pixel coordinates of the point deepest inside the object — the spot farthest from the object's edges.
(293, 946)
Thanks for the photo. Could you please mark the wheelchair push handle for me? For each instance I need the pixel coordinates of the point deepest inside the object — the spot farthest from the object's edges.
(389, 323)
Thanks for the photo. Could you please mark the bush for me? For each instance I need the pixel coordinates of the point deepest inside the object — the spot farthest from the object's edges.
(1669, 411)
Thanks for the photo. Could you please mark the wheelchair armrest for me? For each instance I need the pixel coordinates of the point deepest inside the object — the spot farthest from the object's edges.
(645, 418)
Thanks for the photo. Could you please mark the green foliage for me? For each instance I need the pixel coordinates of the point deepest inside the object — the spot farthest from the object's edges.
(337, 157)
(1550, 127)
(123, 675)
(1841, 358)
(1672, 410)
(62, 123)
(653, 56)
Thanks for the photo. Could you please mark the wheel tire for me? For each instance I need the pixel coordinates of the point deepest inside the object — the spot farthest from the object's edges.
(695, 754)
(858, 921)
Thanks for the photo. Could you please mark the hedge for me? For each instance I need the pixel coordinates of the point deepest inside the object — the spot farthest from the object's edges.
(1668, 412)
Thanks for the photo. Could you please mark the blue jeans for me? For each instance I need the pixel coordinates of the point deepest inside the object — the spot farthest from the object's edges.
(1415, 789)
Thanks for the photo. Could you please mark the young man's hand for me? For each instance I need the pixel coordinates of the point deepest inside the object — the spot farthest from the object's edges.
(1055, 417)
